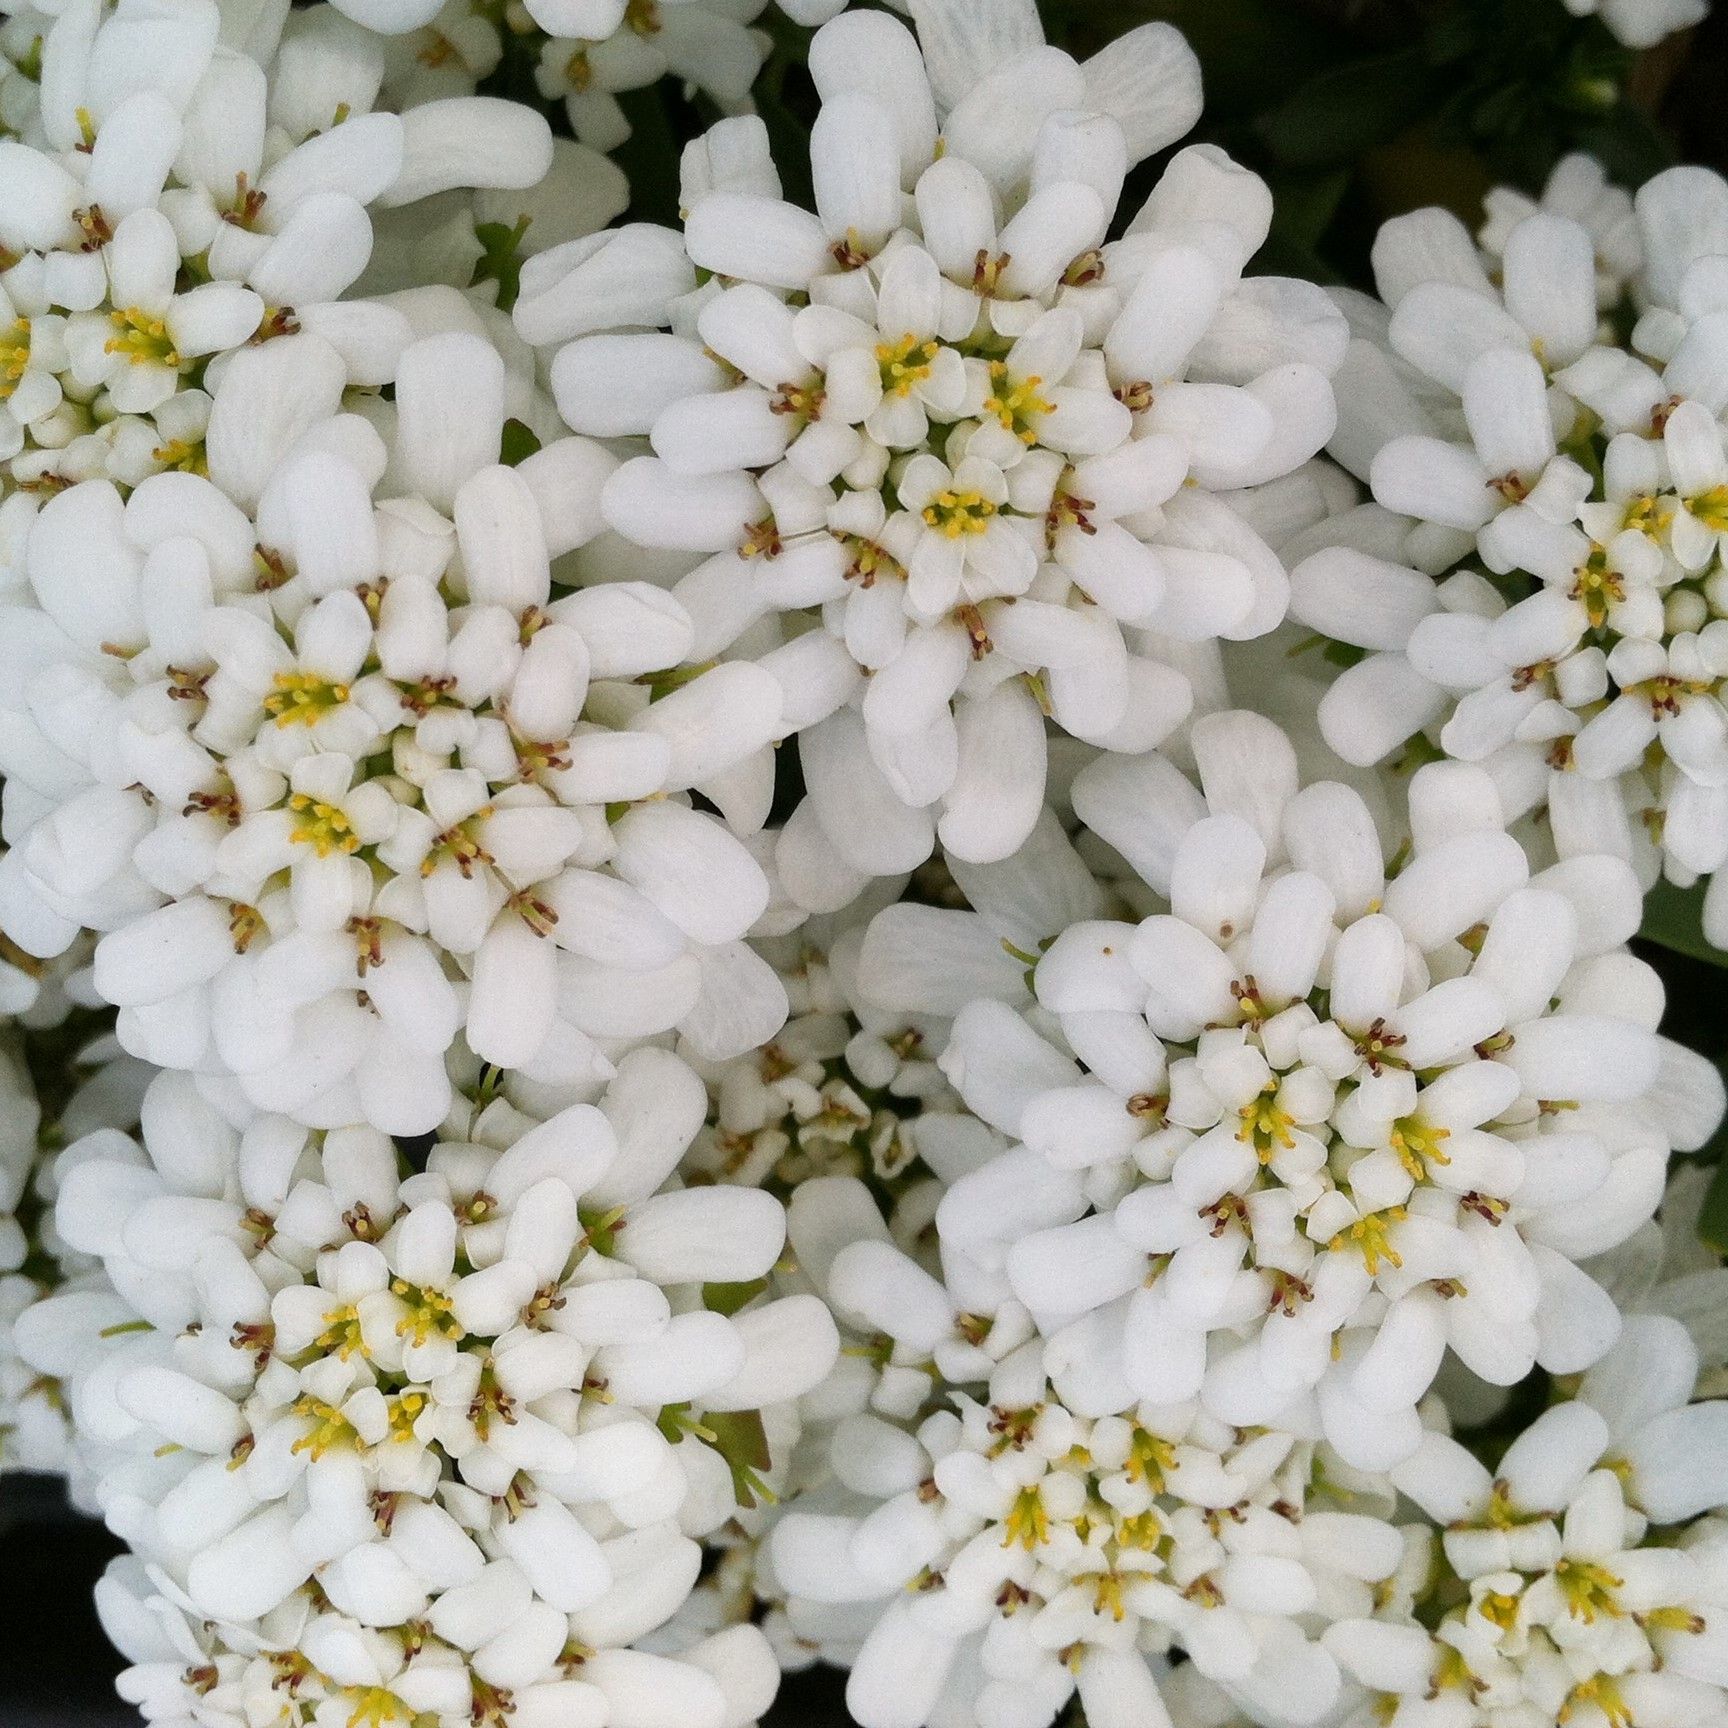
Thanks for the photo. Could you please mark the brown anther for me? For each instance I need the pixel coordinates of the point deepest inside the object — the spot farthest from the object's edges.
(185, 685)
(244, 924)
(277, 321)
(1376, 1045)
(421, 698)
(1149, 1106)
(539, 915)
(1559, 755)
(1136, 397)
(224, 806)
(382, 1506)
(761, 540)
(257, 1337)
(1087, 269)
(202, 1680)
(269, 569)
(1524, 676)
(987, 270)
(1488, 1207)
(1661, 414)
(803, 402)
(972, 620)
(1448, 1287)
(850, 253)
(1227, 1210)
(1512, 487)
(94, 226)
(360, 1224)
(1288, 1293)
(248, 205)
(368, 934)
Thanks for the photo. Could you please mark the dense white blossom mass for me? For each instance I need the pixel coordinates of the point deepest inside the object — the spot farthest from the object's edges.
(889, 929)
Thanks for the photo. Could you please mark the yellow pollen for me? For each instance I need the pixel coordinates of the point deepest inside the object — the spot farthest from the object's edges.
(303, 698)
(1650, 515)
(404, 1413)
(905, 364)
(1016, 404)
(1418, 1145)
(142, 337)
(956, 513)
(1265, 1127)
(1149, 1458)
(1596, 588)
(1601, 1691)
(377, 1707)
(1711, 508)
(322, 826)
(329, 1427)
(1372, 1237)
(1027, 1522)
(1588, 1589)
(429, 1313)
(341, 1334)
(14, 355)
(1500, 1608)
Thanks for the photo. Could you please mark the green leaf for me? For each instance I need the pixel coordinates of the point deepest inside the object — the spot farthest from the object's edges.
(1674, 918)
(1348, 110)
(741, 1440)
(501, 259)
(727, 1299)
(518, 443)
(1713, 1217)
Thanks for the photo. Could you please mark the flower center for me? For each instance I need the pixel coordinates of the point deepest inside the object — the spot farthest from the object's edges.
(958, 513)
(1265, 1126)
(905, 364)
(1371, 1236)
(1588, 1589)
(14, 355)
(303, 698)
(341, 1334)
(429, 1313)
(1414, 1141)
(1016, 405)
(142, 338)
(329, 1427)
(323, 827)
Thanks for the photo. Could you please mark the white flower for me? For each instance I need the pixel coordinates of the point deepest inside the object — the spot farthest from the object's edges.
(947, 421)
(177, 201)
(482, 1406)
(1558, 1595)
(1008, 1552)
(360, 779)
(1288, 1143)
(1586, 667)
(1642, 23)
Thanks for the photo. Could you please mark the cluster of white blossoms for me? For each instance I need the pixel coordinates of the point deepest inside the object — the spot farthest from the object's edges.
(943, 449)
(177, 190)
(713, 989)
(422, 1444)
(1567, 486)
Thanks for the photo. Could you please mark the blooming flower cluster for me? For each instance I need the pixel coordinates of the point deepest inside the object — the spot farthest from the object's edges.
(942, 449)
(886, 929)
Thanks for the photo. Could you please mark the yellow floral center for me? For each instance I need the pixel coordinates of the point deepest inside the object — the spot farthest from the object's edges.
(1597, 588)
(429, 1313)
(458, 845)
(341, 1334)
(956, 513)
(1149, 1459)
(404, 1413)
(1418, 1145)
(1371, 1236)
(1016, 405)
(1605, 1694)
(14, 355)
(905, 364)
(303, 698)
(1711, 508)
(142, 337)
(643, 16)
(1500, 1607)
(1649, 514)
(377, 1707)
(1027, 1523)
(329, 1427)
(323, 827)
(1588, 1589)
(1265, 1126)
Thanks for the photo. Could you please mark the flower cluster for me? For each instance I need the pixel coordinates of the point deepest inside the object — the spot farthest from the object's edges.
(942, 451)
(886, 929)
(435, 1442)
(1570, 487)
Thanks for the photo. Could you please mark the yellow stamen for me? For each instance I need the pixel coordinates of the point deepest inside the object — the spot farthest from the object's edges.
(143, 338)
(1016, 405)
(303, 698)
(956, 513)
(1371, 1235)
(323, 827)
(14, 355)
(904, 364)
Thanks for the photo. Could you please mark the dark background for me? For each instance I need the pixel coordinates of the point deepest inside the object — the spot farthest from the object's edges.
(1354, 110)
